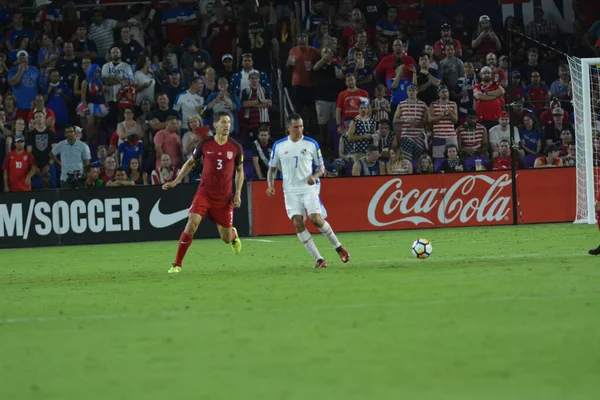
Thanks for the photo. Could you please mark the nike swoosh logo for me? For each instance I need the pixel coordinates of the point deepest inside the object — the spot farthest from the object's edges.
(160, 220)
(209, 152)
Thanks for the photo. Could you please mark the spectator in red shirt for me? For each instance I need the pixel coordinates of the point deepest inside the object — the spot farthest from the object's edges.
(222, 37)
(357, 24)
(517, 92)
(39, 105)
(387, 66)
(488, 99)
(498, 75)
(348, 102)
(547, 118)
(484, 39)
(168, 142)
(439, 48)
(19, 166)
(301, 60)
(504, 160)
(536, 94)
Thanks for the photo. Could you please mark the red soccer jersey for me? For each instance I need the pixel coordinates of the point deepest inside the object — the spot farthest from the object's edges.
(537, 95)
(504, 162)
(18, 166)
(349, 101)
(221, 44)
(487, 110)
(386, 65)
(220, 162)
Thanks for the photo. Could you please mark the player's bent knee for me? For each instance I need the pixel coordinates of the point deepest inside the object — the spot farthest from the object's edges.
(193, 223)
(299, 223)
(317, 220)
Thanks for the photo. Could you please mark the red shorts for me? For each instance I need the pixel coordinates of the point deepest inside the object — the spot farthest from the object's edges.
(219, 212)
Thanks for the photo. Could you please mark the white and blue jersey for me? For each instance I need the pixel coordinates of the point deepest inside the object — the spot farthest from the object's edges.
(297, 161)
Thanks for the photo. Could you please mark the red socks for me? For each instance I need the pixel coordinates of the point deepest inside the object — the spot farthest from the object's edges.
(185, 241)
(233, 236)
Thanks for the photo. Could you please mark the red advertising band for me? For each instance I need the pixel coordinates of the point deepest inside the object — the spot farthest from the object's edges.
(432, 201)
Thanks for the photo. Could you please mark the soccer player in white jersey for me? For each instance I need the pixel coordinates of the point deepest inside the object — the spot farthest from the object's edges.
(296, 155)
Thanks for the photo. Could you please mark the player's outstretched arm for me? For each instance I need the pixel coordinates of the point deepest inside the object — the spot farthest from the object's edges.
(271, 180)
(183, 172)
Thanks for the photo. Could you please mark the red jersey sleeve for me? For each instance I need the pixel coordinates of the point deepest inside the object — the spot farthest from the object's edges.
(476, 89)
(239, 157)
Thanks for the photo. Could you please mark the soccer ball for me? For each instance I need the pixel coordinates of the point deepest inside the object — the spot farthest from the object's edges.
(422, 248)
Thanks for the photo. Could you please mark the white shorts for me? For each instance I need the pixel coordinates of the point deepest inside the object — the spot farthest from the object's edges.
(302, 204)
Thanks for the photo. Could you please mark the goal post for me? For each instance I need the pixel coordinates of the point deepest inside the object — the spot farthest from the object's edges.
(585, 94)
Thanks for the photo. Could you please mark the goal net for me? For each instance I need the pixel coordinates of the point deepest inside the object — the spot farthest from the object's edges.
(586, 106)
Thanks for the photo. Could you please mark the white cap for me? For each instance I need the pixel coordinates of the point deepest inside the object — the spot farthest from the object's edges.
(484, 18)
(22, 53)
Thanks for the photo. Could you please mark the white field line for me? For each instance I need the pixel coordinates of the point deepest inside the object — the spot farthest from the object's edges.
(259, 240)
(208, 313)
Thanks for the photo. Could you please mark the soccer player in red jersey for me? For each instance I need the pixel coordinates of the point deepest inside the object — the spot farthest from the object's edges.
(222, 156)
(19, 166)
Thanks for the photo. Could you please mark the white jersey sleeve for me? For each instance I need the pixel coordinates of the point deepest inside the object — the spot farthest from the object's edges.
(297, 161)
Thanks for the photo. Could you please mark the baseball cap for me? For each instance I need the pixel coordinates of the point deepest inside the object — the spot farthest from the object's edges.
(502, 58)
(442, 87)
(226, 56)
(446, 25)
(557, 111)
(412, 86)
(19, 138)
(364, 103)
(516, 74)
(22, 53)
(486, 69)
(187, 42)
(253, 73)
(503, 114)
(173, 71)
(484, 18)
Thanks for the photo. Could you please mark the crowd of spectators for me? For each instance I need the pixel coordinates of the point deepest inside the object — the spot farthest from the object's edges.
(118, 96)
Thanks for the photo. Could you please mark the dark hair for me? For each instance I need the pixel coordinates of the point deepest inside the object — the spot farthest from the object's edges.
(217, 116)
(372, 148)
(264, 128)
(385, 122)
(423, 54)
(504, 140)
(69, 127)
(140, 61)
(549, 149)
(293, 117)
(171, 118)
(193, 79)
(88, 168)
(121, 169)
(448, 147)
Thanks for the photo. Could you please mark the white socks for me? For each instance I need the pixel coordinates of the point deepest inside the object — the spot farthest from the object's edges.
(328, 233)
(306, 238)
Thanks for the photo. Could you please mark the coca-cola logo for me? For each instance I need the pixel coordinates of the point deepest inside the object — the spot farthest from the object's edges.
(473, 198)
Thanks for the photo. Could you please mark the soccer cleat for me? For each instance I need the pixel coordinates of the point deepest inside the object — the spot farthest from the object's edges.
(236, 245)
(175, 269)
(595, 251)
(320, 264)
(344, 255)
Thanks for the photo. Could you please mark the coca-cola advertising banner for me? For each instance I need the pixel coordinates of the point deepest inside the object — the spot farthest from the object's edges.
(427, 201)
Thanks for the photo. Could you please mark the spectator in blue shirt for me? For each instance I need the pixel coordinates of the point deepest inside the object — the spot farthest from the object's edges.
(24, 80)
(58, 97)
(18, 30)
(22, 43)
(129, 149)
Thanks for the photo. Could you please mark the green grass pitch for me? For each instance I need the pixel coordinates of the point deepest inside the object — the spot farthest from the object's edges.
(501, 313)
